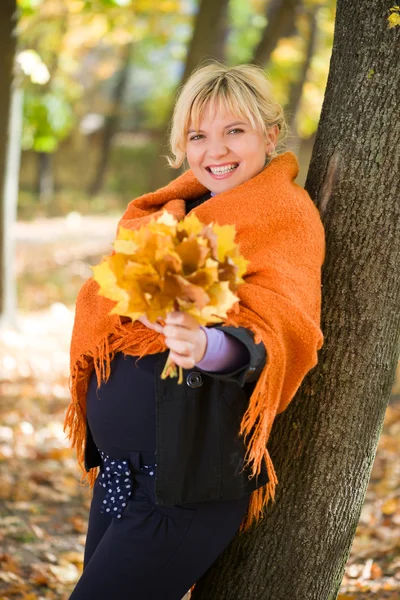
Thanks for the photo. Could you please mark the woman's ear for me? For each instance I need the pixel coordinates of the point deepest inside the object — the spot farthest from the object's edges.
(271, 139)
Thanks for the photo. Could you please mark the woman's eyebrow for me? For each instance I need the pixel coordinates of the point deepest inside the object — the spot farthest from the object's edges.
(234, 124)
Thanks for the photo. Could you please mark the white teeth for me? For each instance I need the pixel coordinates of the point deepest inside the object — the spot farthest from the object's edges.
(222, 170)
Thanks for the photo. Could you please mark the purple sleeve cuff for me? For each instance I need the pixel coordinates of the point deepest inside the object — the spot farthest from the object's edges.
(224, 352)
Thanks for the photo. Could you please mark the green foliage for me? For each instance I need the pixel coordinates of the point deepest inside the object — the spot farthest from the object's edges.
(247, 21)
(90, 5)
(48, 119)
(28, 7)
(57, 36)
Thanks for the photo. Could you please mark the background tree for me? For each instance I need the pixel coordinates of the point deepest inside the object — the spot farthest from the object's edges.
(296, 87)
(112, 120)
(7, 52)
(281, 22)
(324, 445)
(209, 29)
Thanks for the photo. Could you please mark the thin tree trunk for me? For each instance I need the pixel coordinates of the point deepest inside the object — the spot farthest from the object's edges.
(11, 186)
(112, 122)
(281, 20)
(45, 160)
(205, 42)
(7, 52)
(297, 87)
(45, 182)
(209, 29)
(324, 445)
(222, 34)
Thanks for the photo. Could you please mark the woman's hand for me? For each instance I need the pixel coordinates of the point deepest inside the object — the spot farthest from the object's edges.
(185, 338)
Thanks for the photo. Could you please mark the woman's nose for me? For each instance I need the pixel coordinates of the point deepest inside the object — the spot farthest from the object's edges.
(217, 149)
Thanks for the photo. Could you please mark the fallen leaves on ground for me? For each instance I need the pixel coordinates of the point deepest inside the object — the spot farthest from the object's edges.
(373, 569)
(43, 506)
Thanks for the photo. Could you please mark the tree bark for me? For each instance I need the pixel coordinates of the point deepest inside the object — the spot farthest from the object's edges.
(112, 122)
(209, 29)
(281, 20)
(7, 52)
(324, 445)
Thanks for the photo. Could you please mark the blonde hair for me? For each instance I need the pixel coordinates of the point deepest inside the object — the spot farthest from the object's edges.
(244, 90)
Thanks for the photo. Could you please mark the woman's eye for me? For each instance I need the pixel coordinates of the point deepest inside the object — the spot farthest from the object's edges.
(236, 130)
(198, 136)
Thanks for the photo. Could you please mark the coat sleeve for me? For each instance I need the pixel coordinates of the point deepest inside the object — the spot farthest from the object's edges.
(257, 357)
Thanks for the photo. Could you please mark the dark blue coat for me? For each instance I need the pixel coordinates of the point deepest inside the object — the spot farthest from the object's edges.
(200, 455)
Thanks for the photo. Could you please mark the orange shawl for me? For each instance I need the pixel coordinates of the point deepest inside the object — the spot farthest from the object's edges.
(280, 232)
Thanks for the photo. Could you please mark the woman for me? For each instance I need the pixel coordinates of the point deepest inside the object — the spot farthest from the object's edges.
(182, 466)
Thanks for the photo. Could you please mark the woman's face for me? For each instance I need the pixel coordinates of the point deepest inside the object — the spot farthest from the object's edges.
(226, 151)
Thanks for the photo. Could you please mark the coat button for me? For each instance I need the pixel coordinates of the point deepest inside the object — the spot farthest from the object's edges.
(194, 379)
(249, 371)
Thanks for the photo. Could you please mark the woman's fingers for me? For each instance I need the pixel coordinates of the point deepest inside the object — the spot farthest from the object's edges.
(155, 326)
(182, 347)
(181, 319)
(180, 333)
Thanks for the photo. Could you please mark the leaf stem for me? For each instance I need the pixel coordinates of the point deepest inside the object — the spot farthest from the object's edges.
(170, 370)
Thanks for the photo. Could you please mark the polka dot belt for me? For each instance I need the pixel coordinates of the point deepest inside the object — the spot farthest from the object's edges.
(116, 479)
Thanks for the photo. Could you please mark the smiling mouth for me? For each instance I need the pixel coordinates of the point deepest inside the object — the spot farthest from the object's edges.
(223, 170)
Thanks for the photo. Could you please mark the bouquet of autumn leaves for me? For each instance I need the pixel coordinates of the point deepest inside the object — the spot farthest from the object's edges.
(170, 265)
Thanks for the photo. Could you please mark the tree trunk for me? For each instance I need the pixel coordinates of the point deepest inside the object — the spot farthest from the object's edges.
(7, 52)
(112, 122)
(45, 182)
(209, 29)
(324, 445)
(281, 20)
(296, 89)
(205, 42)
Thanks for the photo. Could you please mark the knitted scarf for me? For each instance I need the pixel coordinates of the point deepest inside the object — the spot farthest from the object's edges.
(280, 232)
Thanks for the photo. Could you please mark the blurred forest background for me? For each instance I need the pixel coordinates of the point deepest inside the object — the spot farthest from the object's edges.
(97, 79)
(100, 77)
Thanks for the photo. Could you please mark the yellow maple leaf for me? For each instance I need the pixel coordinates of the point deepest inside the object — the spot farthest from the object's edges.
(125, 243)
(190, 226)
(225, 240)
(166, 219)
(394, 17)
(108, 280)
(193, 254)
(222, 299)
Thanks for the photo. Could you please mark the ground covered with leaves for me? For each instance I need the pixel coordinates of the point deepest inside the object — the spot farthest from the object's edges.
(43, 506)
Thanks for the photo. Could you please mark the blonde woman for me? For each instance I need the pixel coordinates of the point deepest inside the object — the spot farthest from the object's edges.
(183, 466)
